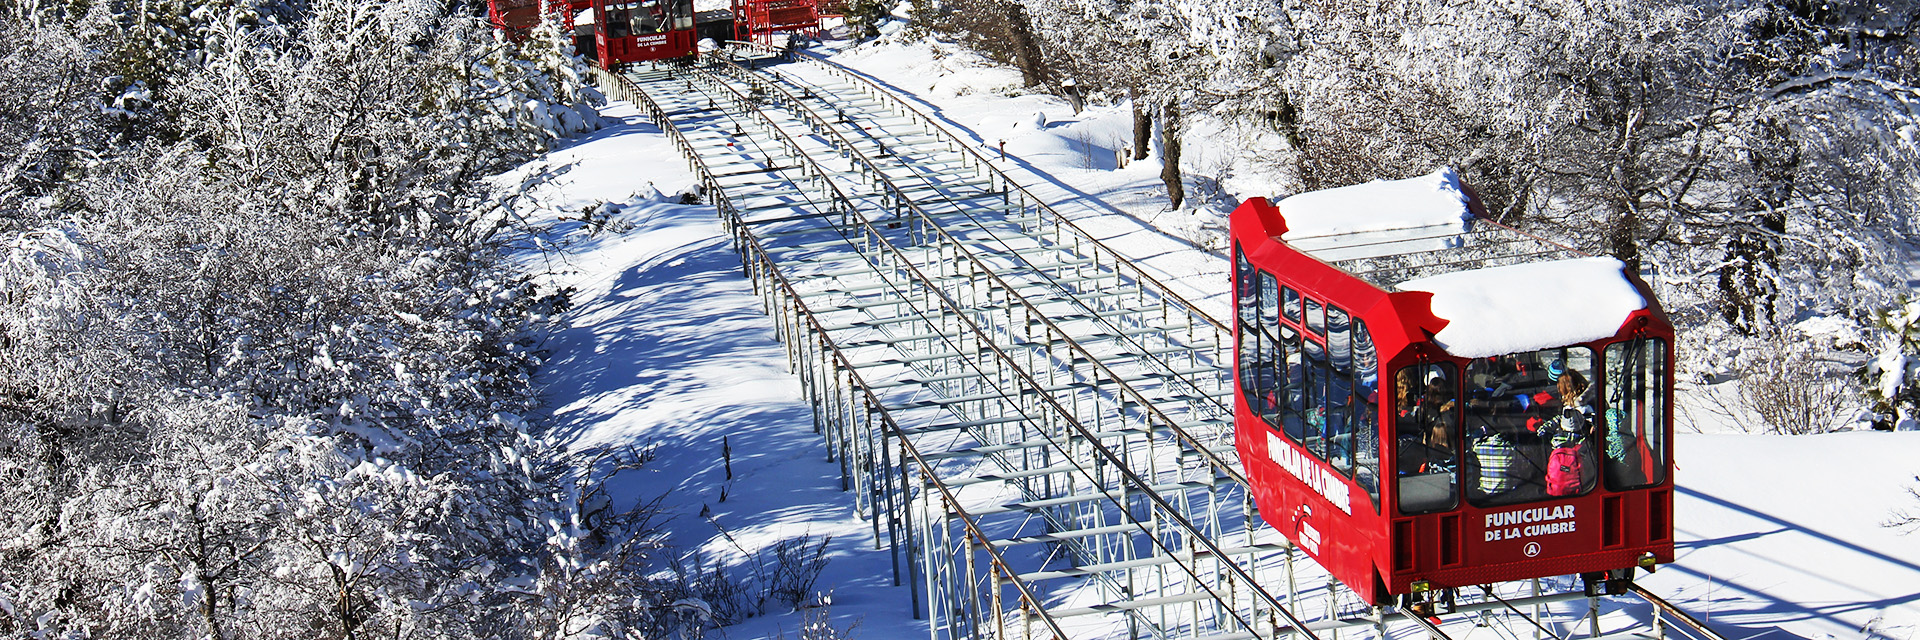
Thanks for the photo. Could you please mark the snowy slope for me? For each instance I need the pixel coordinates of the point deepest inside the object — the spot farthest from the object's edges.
(1786, 531)
(1780, 537)
(667, 347)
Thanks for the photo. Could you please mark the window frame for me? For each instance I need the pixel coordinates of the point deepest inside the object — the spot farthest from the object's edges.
(1528, 449)
(1655, 463)
(1456, 477)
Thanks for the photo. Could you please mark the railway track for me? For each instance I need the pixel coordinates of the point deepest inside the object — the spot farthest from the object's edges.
(1037, 429)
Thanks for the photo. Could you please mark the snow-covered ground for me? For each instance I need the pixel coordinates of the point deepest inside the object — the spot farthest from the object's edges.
(667, 347)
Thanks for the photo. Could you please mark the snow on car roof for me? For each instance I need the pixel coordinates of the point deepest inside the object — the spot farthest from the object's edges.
(1523, 307)
(1429, 201)
(1390, 231)
(1503, 291)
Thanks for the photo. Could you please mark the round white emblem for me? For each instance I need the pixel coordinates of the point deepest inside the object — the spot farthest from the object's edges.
(1532, 549)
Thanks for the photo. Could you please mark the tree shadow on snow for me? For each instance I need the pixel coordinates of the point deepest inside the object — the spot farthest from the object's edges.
(1733, 598)
(676, 354)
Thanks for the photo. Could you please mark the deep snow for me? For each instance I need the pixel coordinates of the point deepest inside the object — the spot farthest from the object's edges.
(1780, 536)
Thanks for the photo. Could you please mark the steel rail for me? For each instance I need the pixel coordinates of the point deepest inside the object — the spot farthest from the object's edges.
(1433, 630)
(1395, 614)
(820, 123)
(1488, 591)
(1662, 606)
(876, 237)
(1007, 182)
(1058, 410)
(892, 427)
(1063, 220)
(846, 147)
(823, 126)
(753, 248)
(1232, 471)
(1144, 287)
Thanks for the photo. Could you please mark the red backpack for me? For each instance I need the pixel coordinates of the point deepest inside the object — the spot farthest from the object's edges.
(1565, 468)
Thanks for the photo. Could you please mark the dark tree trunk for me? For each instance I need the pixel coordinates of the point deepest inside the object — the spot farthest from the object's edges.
(1170, 153)
(1142, 127)
(1026, 48)
(1623, 240)
(1747, 284)
(1624, 237)
(1286, 120)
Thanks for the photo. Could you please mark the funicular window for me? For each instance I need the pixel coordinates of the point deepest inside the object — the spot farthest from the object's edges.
(1291, 398)
(1247, 305)
(1529, 426)
(648, 16)
(1366, 415)
(1426, 438)
(680, 13)
(1264, 374)
(1314, 414)
(1340, 339)
(1340, 389)
(1258, 349)
(1337, 410)
(1317, 392)
(1337, 430)
(619, 19)
(1634, 419)
(1279, 395)
(1269, 302)
(1352, 415)
(1290, 301)
(1316, 318)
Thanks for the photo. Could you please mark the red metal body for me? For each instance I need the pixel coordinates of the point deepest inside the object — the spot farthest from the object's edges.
(1368, 543)
(517, 16)
(643, 30)
(755, 20)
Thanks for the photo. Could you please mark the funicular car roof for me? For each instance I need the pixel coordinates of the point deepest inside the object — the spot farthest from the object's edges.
(1501, 290)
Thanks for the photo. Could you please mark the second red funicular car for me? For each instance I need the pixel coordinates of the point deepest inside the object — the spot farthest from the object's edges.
(1428, 400)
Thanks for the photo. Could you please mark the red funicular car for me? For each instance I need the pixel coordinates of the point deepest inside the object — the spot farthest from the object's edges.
(758, 20)
(643, 30)
(1428, 400)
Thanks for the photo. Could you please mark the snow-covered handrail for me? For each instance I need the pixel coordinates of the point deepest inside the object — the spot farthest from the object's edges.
(982, 163)
(623, 89)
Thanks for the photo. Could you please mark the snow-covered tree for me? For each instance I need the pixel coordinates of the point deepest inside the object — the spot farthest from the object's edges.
(1892, 378)
(50, 112)
(1002, 30)
(537, 86)
(1752, 153)
(267, 379)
